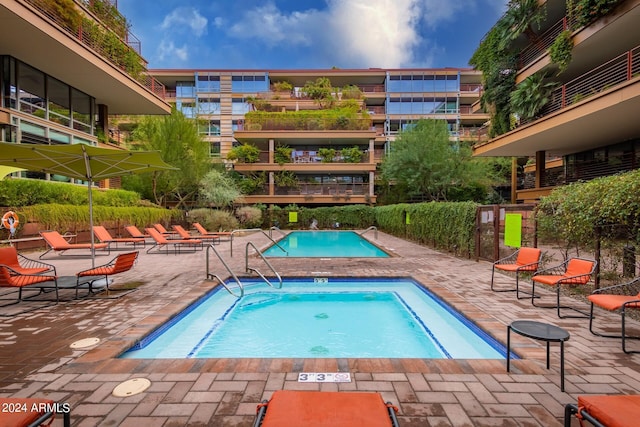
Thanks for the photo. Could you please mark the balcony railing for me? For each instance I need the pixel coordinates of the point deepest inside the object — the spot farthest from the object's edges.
(620, 69)
(467, 87)
(95, 41)
(297, 123)
(317, 189)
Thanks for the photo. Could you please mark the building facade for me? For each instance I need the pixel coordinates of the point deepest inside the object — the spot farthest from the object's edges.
(589, 127)
(65, 69)
(310, 154)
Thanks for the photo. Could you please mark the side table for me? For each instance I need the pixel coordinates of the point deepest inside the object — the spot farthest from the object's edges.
(539, 331)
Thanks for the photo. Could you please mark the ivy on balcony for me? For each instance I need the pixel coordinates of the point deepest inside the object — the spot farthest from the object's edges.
(342, 118)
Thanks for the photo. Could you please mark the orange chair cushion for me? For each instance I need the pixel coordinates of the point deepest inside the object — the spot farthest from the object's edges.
(58, 243)
(547, 279)
(322, 408)
(613, 302)
(9, 257)
(612, 411)
(17, 411)
(576, 267)
(529, 256)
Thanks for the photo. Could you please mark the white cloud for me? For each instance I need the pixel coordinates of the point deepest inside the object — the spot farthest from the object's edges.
(167, 50)
(185, 17)
(357, 33)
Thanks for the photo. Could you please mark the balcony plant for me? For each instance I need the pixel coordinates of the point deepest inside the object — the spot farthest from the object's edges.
(531, 95)
(282, 86)
(252, 184)
(520, 18)
(560, 50)
(245, 153)
(286, 179)
(327, 155)
(282, 154)
(351, 92)
(587, 11)
(351, 155)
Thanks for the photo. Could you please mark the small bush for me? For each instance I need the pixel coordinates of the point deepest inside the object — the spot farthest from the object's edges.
(249, 216)
(213, 219)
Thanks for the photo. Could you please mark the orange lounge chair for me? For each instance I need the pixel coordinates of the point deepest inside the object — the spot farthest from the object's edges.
(203, 231)
(120, 264)
(617, 297)
(10, 257)
(31, 412)
(105, 237)
(605, 411)
(177, 244)
(135, 233)
(574, 271)
(162, 230)
(324, 409)
(524, 260)
(184, 234)
(57, 243)
(10, 278)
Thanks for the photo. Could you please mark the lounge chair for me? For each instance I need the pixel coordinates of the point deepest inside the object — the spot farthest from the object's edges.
(184, 234)
(325, 408)
(19, 412)
(203, 231)
(604, 411)
(105, 237)
(57, 243)
(10, 257)
(524, 260)
(135, 232)
(20, 282)
(177, 244)
(120, 264)
(162, 230)
(574, 272)
(617, 297)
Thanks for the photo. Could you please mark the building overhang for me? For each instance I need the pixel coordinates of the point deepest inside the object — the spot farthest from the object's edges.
(602, 119)
(32, 38)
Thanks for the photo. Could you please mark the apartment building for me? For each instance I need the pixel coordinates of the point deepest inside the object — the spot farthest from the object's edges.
(589, 125)
(65, 68)
(308, 154)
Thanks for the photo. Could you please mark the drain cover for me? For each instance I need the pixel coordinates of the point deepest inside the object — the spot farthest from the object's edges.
(131, 387)
(87, 342)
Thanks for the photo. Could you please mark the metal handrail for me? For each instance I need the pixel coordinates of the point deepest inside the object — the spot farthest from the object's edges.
(276, 228)
(373, 227)
(213, 275)
(254, 230)
(249, 269)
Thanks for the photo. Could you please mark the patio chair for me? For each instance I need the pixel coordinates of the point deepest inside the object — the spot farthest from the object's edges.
(57, 243)
(10, 257)
(31, 412)
(524, 260)
(325, 408)
(177, 244)
(604, 411)
(120, 264)
(162, 230)
(184, 234)
(617, 297)
(135, 233)
(574, 272)
(105, 237)
(20, 282)
(204, 232)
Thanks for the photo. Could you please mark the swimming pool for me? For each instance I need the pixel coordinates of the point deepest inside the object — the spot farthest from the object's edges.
(321, 243)
(321, 318)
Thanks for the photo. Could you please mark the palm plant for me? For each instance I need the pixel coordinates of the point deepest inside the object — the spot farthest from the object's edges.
(531, 95)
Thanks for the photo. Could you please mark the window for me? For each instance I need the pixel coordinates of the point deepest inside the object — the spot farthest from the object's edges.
(81, 105)
(208, 106)
(59, 100)
(207, 83)
(423, 83)
(249, 84)
(185, 90)
(31, 96)
(240, 106)
(214, 150)
(187, 108)
(209, 127)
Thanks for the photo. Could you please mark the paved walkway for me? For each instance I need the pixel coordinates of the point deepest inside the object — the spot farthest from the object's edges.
(36, 360)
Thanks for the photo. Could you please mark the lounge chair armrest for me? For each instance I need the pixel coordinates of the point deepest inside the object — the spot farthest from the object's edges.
(628, 288)
(32, 263)
(511, 259)
(528, 265)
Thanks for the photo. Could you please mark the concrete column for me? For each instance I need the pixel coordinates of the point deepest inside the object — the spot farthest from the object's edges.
(272, 148)
(514, 180)
(372, 156)
(103, 119)
(540, 168)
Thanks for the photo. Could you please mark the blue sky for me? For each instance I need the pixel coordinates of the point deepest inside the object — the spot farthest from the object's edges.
(308, 34)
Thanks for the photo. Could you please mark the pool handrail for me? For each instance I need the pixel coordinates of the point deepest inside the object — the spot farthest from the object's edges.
(276, 228)
(213, 275)
(373, 227)
(254, 230)
(249, 269)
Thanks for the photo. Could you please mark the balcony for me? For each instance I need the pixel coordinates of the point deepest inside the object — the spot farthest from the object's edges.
(314, 194)
(88, 55)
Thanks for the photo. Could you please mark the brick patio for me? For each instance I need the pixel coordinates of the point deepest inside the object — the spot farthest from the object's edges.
(36, 360)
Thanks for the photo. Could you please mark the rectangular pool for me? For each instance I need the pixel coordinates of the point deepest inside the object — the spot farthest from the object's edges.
(321, 318)
(325, 244)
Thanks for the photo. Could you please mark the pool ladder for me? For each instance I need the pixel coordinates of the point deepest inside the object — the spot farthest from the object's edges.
(240, 293)
(373, 227)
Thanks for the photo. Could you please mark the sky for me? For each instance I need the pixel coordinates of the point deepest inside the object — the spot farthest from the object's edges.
(309, 34)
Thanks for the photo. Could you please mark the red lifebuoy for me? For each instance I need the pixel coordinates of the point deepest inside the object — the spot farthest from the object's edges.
(10, 220)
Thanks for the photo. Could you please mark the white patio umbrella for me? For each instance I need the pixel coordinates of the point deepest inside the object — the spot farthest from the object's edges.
(81, 161)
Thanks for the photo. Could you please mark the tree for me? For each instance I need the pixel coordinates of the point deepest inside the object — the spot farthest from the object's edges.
(219, 189)
(176, 138)
(320, 91)
(424, 164)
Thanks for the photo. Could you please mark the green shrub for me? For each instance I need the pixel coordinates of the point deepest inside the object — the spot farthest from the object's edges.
(245, 153)
(213, 219)
(249, 216)
(560, 50)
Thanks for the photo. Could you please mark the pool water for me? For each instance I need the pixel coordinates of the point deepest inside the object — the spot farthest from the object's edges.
(321, 318)
(330, 244)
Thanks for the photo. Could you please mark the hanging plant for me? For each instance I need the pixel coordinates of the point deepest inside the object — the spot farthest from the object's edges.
(560, 50)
